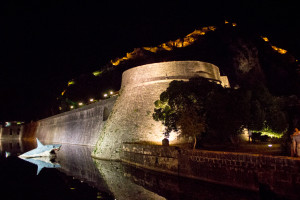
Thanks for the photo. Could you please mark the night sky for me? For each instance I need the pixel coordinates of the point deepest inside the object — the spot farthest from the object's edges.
(45, 43)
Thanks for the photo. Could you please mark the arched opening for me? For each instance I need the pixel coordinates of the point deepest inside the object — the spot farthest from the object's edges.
(105, 114)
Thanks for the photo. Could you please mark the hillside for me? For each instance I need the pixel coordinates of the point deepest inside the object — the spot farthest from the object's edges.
(245, 57)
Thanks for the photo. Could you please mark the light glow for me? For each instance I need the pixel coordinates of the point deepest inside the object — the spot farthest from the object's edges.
(279, 50)
(80, 103)
(63, 92)
(72, 82)
(173, 136)
(97, 73)
(265, 39)
(269, 132)
(168, 46)
(105, 95)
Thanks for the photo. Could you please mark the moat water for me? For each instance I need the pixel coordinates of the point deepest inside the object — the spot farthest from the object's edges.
(76, 175)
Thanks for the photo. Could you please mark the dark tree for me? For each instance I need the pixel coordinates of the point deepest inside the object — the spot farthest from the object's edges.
(201, 106)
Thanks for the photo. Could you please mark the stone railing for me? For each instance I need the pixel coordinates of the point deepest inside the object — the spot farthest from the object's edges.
(277, 174)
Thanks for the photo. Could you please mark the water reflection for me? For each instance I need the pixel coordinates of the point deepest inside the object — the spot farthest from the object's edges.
(43, 162)
(76, 161)
(85, 178)
(71, 181)
(15, 147)
(120, 184)
(128, 182)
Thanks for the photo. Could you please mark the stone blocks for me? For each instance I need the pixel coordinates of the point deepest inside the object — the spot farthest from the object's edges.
(248, 171)
(131, 118)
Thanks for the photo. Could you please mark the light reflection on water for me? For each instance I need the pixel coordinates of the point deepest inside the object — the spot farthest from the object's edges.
(81, 177)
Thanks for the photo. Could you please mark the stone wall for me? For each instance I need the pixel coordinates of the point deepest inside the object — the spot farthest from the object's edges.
(12, 132)
(280, 175)
(79, 126)
(29, 131)
(131, 119)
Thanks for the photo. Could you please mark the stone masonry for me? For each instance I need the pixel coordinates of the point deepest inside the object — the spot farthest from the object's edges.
(80, 126)
(278, 174)
(131, 118)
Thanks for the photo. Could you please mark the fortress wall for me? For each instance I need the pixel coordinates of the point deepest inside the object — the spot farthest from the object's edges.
(131, 118)
(272, 174)
(13, 132)
(80, 126)
(166, 71)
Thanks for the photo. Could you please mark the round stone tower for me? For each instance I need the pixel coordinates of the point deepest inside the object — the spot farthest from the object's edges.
(131, 118)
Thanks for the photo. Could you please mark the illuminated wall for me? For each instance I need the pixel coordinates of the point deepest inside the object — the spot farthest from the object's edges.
(11, 130)
(79, 126)
(131, 118)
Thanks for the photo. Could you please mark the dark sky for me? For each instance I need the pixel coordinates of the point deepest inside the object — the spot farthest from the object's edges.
(46, 43)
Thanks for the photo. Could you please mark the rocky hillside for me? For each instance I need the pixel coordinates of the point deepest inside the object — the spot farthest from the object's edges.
(244, 56)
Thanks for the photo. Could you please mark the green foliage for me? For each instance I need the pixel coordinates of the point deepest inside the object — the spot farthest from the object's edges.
(181, 106)
(270, 133)
(200, 106)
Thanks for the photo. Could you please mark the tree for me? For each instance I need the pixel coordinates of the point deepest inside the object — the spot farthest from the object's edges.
(191, 124)
(227, 111)
(200, 106)
(181, 107)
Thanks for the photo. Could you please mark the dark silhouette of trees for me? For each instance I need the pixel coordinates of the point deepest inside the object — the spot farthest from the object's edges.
(203, 109)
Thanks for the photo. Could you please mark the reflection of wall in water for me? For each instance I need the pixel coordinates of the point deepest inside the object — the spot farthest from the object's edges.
(76, 161)
(120, 185)
(129, 182)
(174, 187)
(11, 146)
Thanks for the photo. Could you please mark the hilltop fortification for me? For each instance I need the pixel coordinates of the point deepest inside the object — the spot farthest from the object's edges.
(131, 118)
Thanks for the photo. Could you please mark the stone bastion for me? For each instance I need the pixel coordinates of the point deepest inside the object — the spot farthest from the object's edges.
(131, 118)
